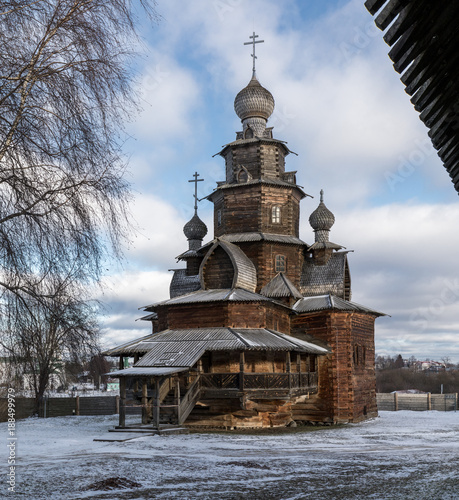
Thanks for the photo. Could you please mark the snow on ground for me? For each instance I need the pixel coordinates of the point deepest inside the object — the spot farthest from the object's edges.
(400, 455)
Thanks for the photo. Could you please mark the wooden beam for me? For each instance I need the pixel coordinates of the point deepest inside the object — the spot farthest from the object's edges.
(144, 401)
(157, 402)
(122, 416)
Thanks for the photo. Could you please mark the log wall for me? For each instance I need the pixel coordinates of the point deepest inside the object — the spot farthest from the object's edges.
(347, 391)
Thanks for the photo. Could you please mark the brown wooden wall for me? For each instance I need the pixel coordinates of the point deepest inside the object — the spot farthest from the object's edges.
(224, 314)
(263, 255)
(218, 271)
(266, 160)
(346, 388)
(247, 208)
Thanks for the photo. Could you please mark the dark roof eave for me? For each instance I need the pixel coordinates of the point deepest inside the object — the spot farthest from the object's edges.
(268, 182)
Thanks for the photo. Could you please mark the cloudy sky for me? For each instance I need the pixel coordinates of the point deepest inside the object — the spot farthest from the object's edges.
(341, 106)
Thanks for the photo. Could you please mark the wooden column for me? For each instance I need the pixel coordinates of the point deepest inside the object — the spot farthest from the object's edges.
(241, 370)
(77, 405)
(136, 384)
(157, 402)
(144, 401)
(429, 401)
(177, 393)
(121, 363)
(396, 401)
(122, 419)
(288, 368)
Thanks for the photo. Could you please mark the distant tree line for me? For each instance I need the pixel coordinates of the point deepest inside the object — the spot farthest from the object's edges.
(395, 374)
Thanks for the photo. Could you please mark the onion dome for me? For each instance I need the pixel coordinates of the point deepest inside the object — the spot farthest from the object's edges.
(195, 229)
(321, 220)
(254, 105)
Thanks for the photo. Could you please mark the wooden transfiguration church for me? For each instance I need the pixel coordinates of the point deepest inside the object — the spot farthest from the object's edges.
(259, 330)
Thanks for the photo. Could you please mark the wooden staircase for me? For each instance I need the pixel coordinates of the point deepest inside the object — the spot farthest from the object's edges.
(173, 409)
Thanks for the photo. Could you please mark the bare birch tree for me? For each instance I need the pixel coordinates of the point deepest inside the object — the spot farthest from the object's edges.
(65, 92)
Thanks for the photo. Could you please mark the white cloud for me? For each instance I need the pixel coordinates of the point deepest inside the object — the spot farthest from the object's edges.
(341, 106)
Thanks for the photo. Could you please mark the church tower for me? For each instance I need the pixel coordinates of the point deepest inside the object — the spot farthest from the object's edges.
(259, 329)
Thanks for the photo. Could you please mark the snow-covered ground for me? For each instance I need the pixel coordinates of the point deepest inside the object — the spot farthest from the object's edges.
(400, 455)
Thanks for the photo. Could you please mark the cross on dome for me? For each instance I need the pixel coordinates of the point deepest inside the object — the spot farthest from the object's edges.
(196, 180)
(253, 42)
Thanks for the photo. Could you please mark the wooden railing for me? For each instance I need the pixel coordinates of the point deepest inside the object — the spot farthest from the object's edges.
(188, 401)
(253, 381)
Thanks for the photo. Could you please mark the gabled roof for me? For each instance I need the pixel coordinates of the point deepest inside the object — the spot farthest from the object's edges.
(182, 284)
(280, 286)
(220, 295)
(318, 245)
(330, 277)
(254, 140)
(275, 238)
(330, 302)
(183, 348)
(263, 180)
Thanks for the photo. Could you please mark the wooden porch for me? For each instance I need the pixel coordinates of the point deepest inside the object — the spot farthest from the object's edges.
(166, 401)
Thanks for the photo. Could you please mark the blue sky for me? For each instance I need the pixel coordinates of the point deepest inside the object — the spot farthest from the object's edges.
(342, 108)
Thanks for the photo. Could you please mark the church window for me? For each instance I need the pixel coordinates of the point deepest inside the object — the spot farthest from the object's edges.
(248, 134)
(243, 176)
(219, 217)
(276, 215)
(280, 264)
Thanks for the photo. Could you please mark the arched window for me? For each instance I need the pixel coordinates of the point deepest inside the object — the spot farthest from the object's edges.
(280, 264)
(248, 133)
(275, 215)
(243, 176)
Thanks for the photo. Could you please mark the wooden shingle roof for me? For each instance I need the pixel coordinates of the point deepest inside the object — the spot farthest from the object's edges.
(424, 40)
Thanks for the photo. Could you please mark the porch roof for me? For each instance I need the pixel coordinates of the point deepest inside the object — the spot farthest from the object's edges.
(148, 371)
(185, 347)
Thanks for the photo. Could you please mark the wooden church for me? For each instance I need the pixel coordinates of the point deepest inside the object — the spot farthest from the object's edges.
(259, 330)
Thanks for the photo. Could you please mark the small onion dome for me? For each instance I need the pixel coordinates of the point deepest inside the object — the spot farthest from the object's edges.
(321, 219)
(195, 229)
(254, 101)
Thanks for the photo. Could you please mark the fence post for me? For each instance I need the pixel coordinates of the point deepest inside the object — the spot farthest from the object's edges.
(396, 401)
(77, 405)
(117, 405)
(429, 401)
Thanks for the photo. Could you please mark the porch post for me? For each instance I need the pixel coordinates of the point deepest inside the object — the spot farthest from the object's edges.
(144, 401)
(136, 383)
(157, 401)
(241, 370)
(178, 399)
(121, 363)
(298, 368)
(289, 369)
(122, 417)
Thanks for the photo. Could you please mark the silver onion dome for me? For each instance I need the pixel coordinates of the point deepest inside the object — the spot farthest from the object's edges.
(195, 229)
(321, 220)
(254, 105)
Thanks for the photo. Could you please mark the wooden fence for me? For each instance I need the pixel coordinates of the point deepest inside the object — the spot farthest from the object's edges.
(417, 402)
(60, 407)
